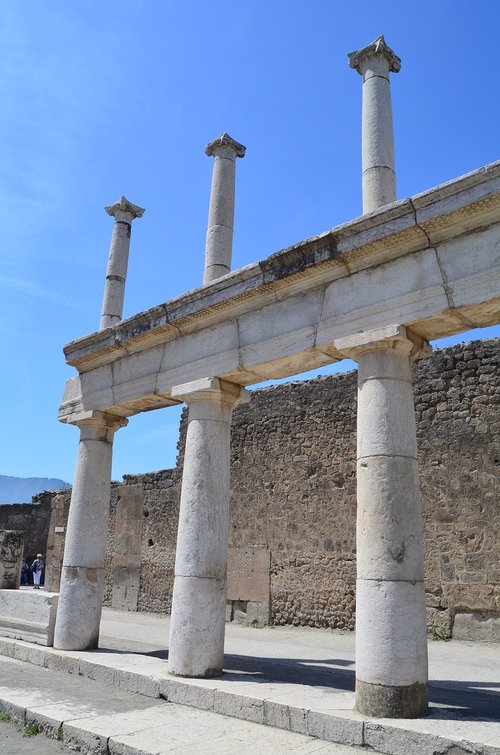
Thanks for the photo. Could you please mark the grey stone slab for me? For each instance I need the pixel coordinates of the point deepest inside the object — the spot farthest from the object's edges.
(477, 627)
(28, 615)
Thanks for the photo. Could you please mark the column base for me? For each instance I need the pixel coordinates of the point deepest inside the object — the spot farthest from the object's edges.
(79, 608)
(197, 626)
(379, 701)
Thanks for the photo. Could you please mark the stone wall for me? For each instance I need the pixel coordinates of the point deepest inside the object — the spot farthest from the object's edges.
(141, 541)
(11, 555)
(54, 550)
(293, 489)
(31, 518)
(293, 503)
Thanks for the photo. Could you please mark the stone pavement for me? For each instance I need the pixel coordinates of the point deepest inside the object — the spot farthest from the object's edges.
(297, 681)
(90, 716)
(13, 742)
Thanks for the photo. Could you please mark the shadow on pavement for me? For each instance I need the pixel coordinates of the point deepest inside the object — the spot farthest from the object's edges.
(450, 700)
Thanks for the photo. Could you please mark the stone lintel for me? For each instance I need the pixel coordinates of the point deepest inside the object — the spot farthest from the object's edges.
(118, 209)
(223, 143)
(377, 48)
(210, 388)
(397, 337)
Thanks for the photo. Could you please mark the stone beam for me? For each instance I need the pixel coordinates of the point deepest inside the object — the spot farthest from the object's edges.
(430, 263)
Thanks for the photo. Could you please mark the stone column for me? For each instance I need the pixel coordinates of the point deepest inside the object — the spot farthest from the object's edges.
(219, 243)
(114, 290)
(391, 639)
(199, 599)
(82, 575)
(374, 63)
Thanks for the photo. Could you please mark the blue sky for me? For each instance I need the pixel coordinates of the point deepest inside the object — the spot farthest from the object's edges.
(100, 99)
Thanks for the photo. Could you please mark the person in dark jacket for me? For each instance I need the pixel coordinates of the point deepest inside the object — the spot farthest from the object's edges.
(25, 570)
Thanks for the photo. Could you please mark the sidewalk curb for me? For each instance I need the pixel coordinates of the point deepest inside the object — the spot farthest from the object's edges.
(343, 727)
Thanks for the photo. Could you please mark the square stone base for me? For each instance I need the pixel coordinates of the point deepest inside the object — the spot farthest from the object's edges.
(28, 615)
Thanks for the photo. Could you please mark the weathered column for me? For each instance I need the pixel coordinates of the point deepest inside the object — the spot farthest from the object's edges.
(374, 63)
(219, 243)
(199, 599)
(391, 641)
(82, 575)
(114, 290)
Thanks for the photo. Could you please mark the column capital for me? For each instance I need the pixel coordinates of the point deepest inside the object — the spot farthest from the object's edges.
(211, 389)
(124, 211)
(223, 146)
(379, 51)
(97, 419)
(390, 338)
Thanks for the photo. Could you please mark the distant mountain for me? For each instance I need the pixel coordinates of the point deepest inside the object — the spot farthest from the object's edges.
(21, 489)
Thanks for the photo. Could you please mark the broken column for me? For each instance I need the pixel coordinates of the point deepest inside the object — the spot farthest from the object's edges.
(124, 213)
(196, 645)
(82, 574)
(391, 638)
(374, 63)
(219, 243)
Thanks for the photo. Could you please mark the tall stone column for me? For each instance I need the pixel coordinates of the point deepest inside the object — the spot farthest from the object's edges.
(124, 213)
(374, 63)
(219, 243)
(82, 575)
(199, 599)
(391, 641)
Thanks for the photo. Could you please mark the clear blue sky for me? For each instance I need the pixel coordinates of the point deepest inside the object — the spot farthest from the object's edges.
(100, 99)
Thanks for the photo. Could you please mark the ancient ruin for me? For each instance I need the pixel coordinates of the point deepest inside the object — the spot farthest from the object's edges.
(376, 289)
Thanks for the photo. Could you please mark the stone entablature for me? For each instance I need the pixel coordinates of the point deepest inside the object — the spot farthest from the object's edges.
(410, 263)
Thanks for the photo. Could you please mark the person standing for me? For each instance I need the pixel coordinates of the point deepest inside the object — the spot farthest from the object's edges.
(36, 568)
(25, 570)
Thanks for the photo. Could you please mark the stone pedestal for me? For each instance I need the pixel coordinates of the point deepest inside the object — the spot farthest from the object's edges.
(374, 63)
(11, 556)
(82, 575)
(199, 599)
(124, 213)
(219, 243)
(391, 639)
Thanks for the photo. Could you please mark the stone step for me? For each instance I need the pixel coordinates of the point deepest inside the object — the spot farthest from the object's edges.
(323, 713)
(84, 714)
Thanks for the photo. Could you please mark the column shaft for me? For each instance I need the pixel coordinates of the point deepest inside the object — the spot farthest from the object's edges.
(124, 213)
(377, 146)
(391, 640)
(199, 599)
(116, 275)
(82, 575)
(375, 62)
(219, 241)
